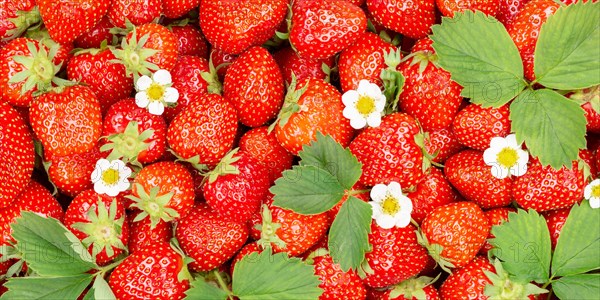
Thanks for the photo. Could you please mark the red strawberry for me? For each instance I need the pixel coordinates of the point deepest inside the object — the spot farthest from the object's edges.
(174, 9)
(413, 20)
(94, 37)
(99, 221)
(15, 17)
(221, 60)
(264, 146)
(413, 289)
(508, 10)
(142, 234)
(395, 255)
(290, 62)
(187, 76)
(449, 7)
(67, 20)
(207, 238)
(475, 126)
(432, 192)
(389, 152)
(151, 272)
(336, 283)
(496, 216)
(16, 153)
(234, 26)
(138, 12)
(441, 144)
(206, 127)
(469, 174)
(468, 282)
(236, 187)
(458, 229)
(71, 173)
(321, 28)
(556, 220)
(190, 40)
(254, 86)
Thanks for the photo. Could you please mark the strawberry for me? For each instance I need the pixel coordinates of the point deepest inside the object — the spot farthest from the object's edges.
(138, 12)
(442, 144)
(432, 192)
(508, 9)
(187, 76)
(67, 20)
(209, 239)
(525, 29)
(151, 272)
(449, 7)
(311, 106)
(413, 289)
(395, 255)
(94, 37)
(234, 26)
(141, 233)
(205, 128)
(454, 233)
(63, 52)
(364, 59)
(236, 186)
(222, 60)
(556, 220)
(475, 126)
(99, 221)
(15, 17)
(336, 283)
(495, 216)
(252, 247)
(285, 230)
(473, 179)
(163, 191)
(17, 153)
(67, 120)
(429, 94)
(468, 282)
(190, 40)
(413, 20)
(320, 28)
(264, 146)
(389, 152)
(71, 173)
(174, 9)
(544, 188)
(303, 68)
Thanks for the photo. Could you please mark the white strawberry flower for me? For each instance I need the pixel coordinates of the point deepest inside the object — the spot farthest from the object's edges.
(390, 207)
(506, 157)
(364, 106)
(592, 193)
(110, 177)
(155, 93)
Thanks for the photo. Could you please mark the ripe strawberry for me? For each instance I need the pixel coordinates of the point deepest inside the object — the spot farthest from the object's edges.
(458, 229)
(556, 220)
(468, 282)
(67, 120)
(473, 179)
(209, 239)
(16, 153)
(544, 188)
(151, 272)
(525, 29)
(94, 37)
(221, 60)
(190, 40)
(174, 9)
(99, 221)
(413, 289)
(389, 152)
(15, 17)
(321, 28)
(138, 12)
(236, 187)
(303, 68)
(475, 126)
(442, 144)
(206, 127)
(187, 79)
(67, 20)
(336, 283)
(234, 26)
(363, 60)
(142, 234)
(71, 173)
(395, 255)
(413, 21)
(496, 216)
(508, 9)
(432, 192)
(311, 106)
(449, 7)
(264, 146)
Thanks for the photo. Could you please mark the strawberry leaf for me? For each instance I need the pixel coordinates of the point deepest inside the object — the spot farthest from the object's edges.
(523, 245)
(328, 154)
(31, 288)
(480, 56)
(307, 190)
(578, 247)
(566, 55)
(49, 248)
(584, 286)
(552, 126)
(202, 290)
(100, 290)
(349, 234)
(265, 276)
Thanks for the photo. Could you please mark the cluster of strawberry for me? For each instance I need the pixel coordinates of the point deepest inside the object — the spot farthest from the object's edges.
(183, 138)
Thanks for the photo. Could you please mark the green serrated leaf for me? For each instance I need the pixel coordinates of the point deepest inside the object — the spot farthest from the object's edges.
(268, 276)
(578, 247)
(349, 234)
(580, 287)
(552, 126)
(480, 56)
(49, 248)
(32, 288)
(567, 54)
(102, 290)
(523, 245)
(202, 290)
(307, 190)
(326, 153)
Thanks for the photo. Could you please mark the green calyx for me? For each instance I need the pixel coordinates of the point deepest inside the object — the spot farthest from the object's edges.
(503, 288)
(10, 252)
(23, 21)
(290, 105)
(420, 139)
(103, 230)
(393, 80)
(591, 95)
(225, 166)
(412, 288)
(152, 205)
(212, 77)
(435, 251)
(134, 56)
(268, 230)
(184, 273)
(128, 144)
(194, 161)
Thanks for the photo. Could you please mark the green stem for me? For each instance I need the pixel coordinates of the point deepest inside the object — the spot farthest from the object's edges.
(356, 192)
(548, 283)
(222, 284)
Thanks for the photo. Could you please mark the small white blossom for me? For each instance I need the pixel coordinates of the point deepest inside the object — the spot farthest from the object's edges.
(390, 207)
(110, 177)
(592, 193)
(155, 93)
(506, 157)
(364, 105)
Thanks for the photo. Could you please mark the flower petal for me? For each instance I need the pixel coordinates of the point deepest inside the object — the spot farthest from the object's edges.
(378, 192)
(406, 205)
(587, 191)
(372, 90)
(143, 83)
(490, 156)
(100, 187)
(171, 95)
(350, 112)
(377, 210)
(386, 221)
(499, 171)
(380, 103)
(156, 108)
(511, 141)
(498, 143)
(595, 202)
(402, 220)
(395, 189)
(374, 119)
(358, 122)
(363, 85)
(141, 99)
(162, 77)
(349, 97)
(518, 169)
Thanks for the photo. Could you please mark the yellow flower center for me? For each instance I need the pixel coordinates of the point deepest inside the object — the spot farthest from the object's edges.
(365, 105)
(507, 157)
(110, 176)
(596, 191)
(390, 205)
(155, 92)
